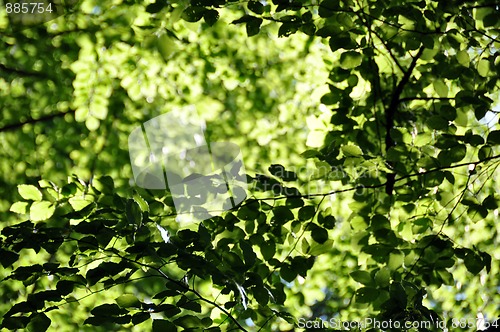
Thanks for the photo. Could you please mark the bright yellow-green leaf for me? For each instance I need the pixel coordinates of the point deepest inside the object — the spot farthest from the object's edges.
(78, 203)
(166, 46)
(41, 210)
(350, 59)
(483, 67)
(383, 277)
(81, 113)
(463, 58)
(127, 301)
(28, 191)
(351, 150)
(318, 249)
(396, 261)
(422, 139)
(92, 123)
(358, 223)
(19, 207)
(441, 88)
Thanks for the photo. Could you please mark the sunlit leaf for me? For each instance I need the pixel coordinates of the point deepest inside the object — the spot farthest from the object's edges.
(29, 192)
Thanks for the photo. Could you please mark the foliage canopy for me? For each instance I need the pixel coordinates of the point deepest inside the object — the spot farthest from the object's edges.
(370, 135)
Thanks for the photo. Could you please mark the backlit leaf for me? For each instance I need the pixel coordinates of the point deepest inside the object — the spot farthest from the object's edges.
(41, 210)
(29, 192)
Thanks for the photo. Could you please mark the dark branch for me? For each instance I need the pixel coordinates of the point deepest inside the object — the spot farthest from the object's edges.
(23, 72)
(359, 187)
(49, 117)
(424, 98)
(391, 112)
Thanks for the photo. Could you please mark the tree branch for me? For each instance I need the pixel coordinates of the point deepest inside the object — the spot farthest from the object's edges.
(391, 112)
(358, 187)
(165, 276)
(424, 98)
(49, 117)
(186, 287)
(23, 72)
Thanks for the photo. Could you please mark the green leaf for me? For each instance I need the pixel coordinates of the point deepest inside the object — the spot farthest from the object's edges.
(328, 221)
(437, 122)
(321, 248)
(191, 305)
(328, 7)
(88, 242)
(287, 273)
(107, 310)
(193, 13)
(128, 301)
(155, 7)
(133, 212)
(289, 176)
(187, 322)
(15, 322)
(248, 254)
(366, 295)
(253, 26)
(330, 98)
(463, 58)
(441, 88)
(294, 202)
(140, 317)
(361, 277)
(453, 155)
(308, 28)
(447, 277)
(29, 192)
(162, 325)
(383, 277)
(398, 295)
(248, 212)
(380, 222)
(41, 210)
(351, 150)
(7, 257)
(310, 154)
(39, 323)
(483, 67)
(396, 260)
(494, 137)
(350, 59)
(473, 262)
(141, 202)
(268, 249)
(277, 170)
(318, 234)
(256, 7)
(282, 214)
(104, 184)
(490, 202)
(288, 28)
(261, 295)
(343, 41)
(307, 212)
(211, 16)
(420, 225)
(79, 203)
(69, 189)
(19, 207)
